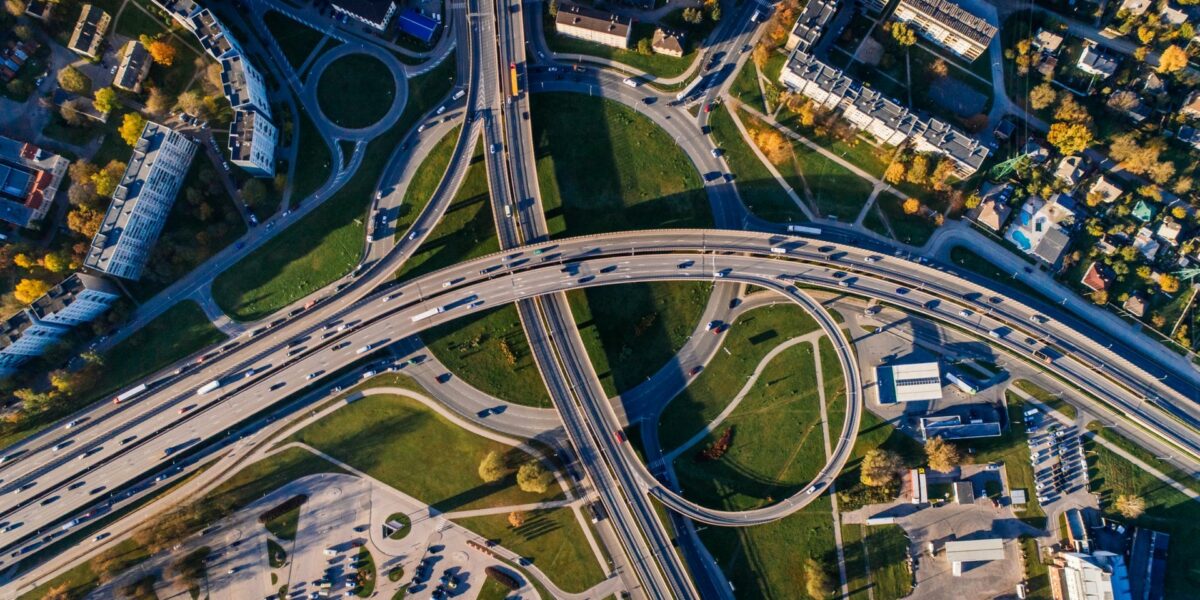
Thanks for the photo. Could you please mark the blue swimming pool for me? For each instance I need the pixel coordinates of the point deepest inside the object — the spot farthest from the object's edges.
(1020, 239)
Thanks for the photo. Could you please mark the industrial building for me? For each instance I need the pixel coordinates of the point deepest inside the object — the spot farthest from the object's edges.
(77, 300)
(589, 24)
(29, 180)
(973, 551)
(375, 13)
(1098, 576)
(951, 427)
(417, 26)
(909, 383)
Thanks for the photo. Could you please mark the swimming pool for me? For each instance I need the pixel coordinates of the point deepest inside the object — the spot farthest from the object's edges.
(1019, 238)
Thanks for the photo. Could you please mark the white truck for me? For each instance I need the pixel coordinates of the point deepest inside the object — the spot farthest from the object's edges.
(208, 387)
(803, 229)
(427, 313)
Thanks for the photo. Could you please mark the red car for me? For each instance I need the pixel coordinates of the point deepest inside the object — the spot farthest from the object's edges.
(695, 371)
(708, 107)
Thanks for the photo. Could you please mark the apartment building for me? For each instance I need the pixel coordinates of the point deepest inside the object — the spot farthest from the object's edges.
(252, 139)
(141, 203)
(89, 31)
(78, 300)
(810, 25)
(593, 25)
(29, 180)
(949, 25)
(887, 120)
(212, 35)
(243, 85)
(134, 66)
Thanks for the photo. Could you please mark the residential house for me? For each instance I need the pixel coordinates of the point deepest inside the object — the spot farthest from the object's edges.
(670, 43)
(1040, 228)
(589, 24)
(1070, 170)
(1172, 15)
(1036, 151)
(374, 13)
(1136, 7)
(1146, 244)
(1098, 277)
(1142, 211)
(1095, 61)
(1169, 230)
(1189, 135)
(134, 66)
(1047, 41)
(39, 9)
(1135, 305)
(29, 179)
(89, 31)
(949, 25)
(1191, 105)
(142, 202)
(993, 213)
(1104, 191)
(1046, 66)
(810, 25)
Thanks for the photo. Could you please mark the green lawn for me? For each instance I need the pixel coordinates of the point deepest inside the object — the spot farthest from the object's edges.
(78, 581)
(405, 445)
(284, 525)
(914, 230)
(314, 161)
(630, 331)
(778, 445)
(326, 243)
(745, 87)
(887, 553)
(857, 580)
(181, 330)
(466, 231)
(746, 343)
(551, 539)
(1037, 575)
(1047, 398)
(405, 527)
(488, 350)
(759, 190)
(492, 590)
(276, 555)
(424, 184)
(1167, 510)
(767, 561)
(835, 387)
(1011, 449)
(628, 175)
(658, 65)
(1145, 456)
(296, 40)
(366, 573)
(356, 91)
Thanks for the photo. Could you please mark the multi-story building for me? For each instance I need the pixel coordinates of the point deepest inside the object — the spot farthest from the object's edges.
(135, 65)
(79, 299)
(1097, 576)
(141, 202)
(29, 180)
(252, 140)
(887, 120)
(810, 25)
(89, 31)
(212, 35)
(243, 85)
(589, 24)
(375, 13)
(949, 25)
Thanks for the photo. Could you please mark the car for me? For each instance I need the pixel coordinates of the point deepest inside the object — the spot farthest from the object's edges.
(60, 446)
(716, 152)
(964, 313)
(71, 424)
(495, 148)
(695, 370)
(443, 378)
(708, 107)
(183, 409)
(712, 325)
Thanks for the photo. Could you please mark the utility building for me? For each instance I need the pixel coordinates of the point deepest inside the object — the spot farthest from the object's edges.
(973, 551)
(909, 383)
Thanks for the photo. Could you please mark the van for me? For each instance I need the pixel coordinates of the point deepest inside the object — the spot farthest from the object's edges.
(631, 82)
(458, 94)
(441, 109)
(507, 211)
(996, 333)
(330, 552)
(778, 250)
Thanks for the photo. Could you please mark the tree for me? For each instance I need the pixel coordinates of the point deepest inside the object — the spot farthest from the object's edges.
(23, 32)
(105, 100)
(816, 580)
(1172, 59)
(491, 468)
(14, 8)
(714, 13)
(941, 175)
(162, 52)
(106, 179)
(942, 455)
(973, 200)
(1169, 283)
(894, 173)
(81, 171)
(28, 290)
(903, 34)
(1146, 34)
(59, 592)
(1042, 96)
(516, 518)
(1071, 111)
(553, 8)
(159, 102)
(192, 103)
(72, 111)
(131, 127)
(772, 144)
(1123, 100)
(85, 221)
(1130, 506)
(1178, 211)
(533, 478)
(760, 56)
(879, 467)
(254, 193)
(1100, 297)
(918, 171)
(693, 15)
(57, 262)
(73, 80)
(644, 48)
(1069, 138)
(911, 206)
(939, 68)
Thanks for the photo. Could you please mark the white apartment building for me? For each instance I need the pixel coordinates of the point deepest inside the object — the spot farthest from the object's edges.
(252, 139)
(593, 25)
(79, 299)
(141, 203)
(243, 85)
(949, 25)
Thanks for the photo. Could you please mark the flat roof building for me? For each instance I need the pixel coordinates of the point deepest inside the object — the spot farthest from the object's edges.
(29, 180)
(909, 383)
(417, 25)
(243, 85)
(252, 139)
(589, 24)
(375, 13)
(810, 25)
(951, 427)
(134, 66)
(949, 25)
(77, 300)
(89, 31)
(973, 551)
(920, 486)
(1099, 576)
(212, 35)
(141, 203)
(1077, 531)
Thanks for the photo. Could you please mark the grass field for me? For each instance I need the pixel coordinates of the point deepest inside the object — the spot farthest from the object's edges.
(424, 183)
(835, 387)
(1037, 576)
(914, 230)
(745, 87)
(658, 65)
(326, 243)
(767, 561)
(873, 432)
(78, 581)
(466, 231)
(284, 525)
(178, 332)
(492, 590)
(551, 539)
(296, 40)
(388, 437)
(630, 331)
(1047, 398)
(857, 580)
(314, 161)
(478, 348)
(887, 553)
(1167, 510)
(759, 190)
(1010, 448)
(778, 445)
(356, 91)
(607, 184)
(750, 338)
(1145, 456)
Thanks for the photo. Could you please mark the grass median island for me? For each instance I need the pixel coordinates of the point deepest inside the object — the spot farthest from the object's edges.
(424, 184)
(1047, 398)
(328, 242)
(746, 343)
(835, 388)
(80, 580)
(1146, 456)
(488, 350)
(774, 439)
(412, 448)
(603, 167)
(745, 87)
(314, 161)
(630, 331)
(767, 561)
(759, 190)
(551, 539)
(296, 40)
(356, 91)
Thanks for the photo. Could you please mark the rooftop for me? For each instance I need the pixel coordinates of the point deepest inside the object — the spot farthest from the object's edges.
(975, 550)
(955, 18)
(12, 328)
(593, 20)
(64, 294)
(89, 30)
(134, 59)
(417, 25)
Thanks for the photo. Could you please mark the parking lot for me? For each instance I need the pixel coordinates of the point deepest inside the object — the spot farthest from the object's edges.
(1056, 453)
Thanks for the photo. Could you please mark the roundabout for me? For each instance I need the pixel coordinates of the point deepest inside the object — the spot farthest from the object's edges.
(361, 94)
